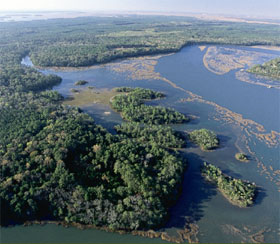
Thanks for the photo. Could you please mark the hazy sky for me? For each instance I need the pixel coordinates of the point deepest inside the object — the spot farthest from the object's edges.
(269, 8)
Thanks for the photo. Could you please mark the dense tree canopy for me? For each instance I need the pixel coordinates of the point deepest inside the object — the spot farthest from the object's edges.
(162, 135)
(206, 139)
(56, 163)
(237, 191)
(22, 78)
(269, 69)
(90, 40)
(132, 108)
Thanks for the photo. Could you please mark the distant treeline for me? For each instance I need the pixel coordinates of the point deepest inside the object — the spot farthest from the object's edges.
(90, 40)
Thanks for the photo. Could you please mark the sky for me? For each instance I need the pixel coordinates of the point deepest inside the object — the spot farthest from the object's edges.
(266, 8)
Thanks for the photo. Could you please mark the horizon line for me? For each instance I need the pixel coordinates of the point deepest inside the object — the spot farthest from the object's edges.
(139, 12)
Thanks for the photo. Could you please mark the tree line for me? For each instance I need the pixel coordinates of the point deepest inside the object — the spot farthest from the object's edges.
(91, 40)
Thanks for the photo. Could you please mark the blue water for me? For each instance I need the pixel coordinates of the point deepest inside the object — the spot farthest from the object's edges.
(252, 101)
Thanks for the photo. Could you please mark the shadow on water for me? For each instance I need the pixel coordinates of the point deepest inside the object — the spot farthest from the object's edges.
(261, 194)
(231, 173)
(223, 141)
(195, 192)
(193, 121)
(190, 144)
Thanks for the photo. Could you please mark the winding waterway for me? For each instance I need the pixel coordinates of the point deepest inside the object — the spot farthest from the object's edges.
(244, 114)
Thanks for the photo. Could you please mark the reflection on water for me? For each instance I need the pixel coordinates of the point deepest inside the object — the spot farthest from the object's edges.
(244, 115)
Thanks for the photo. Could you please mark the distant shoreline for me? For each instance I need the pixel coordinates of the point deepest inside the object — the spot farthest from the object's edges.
(12, 16)
(161, 53)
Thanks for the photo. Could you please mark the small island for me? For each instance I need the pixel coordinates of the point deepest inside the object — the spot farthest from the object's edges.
(81, 82)
(241, 157)
(238, 192)
(269, 69)
(74, 90)
(206, 139)
(141, 93)
(132, 108)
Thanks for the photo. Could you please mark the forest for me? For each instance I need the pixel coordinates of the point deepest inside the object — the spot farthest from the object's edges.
(57, 163)
(26, 79)
(269, 69)
(162, 135)
(89, 40)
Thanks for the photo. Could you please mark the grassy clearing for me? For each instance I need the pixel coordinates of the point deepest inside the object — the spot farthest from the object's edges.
(88, 96)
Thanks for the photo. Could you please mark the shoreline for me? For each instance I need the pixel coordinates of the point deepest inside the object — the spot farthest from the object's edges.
(156, 55)
(11, 16)
(241, 160)
(104, 64)
(234, 203)
(274, 48)
(265, 76)
(188, 233)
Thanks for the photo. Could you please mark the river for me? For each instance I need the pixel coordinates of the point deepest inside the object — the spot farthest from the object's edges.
(243, 112)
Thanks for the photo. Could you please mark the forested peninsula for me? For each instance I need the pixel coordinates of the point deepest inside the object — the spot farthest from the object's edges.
(238, 192)
(133, 109)
(56, 162)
